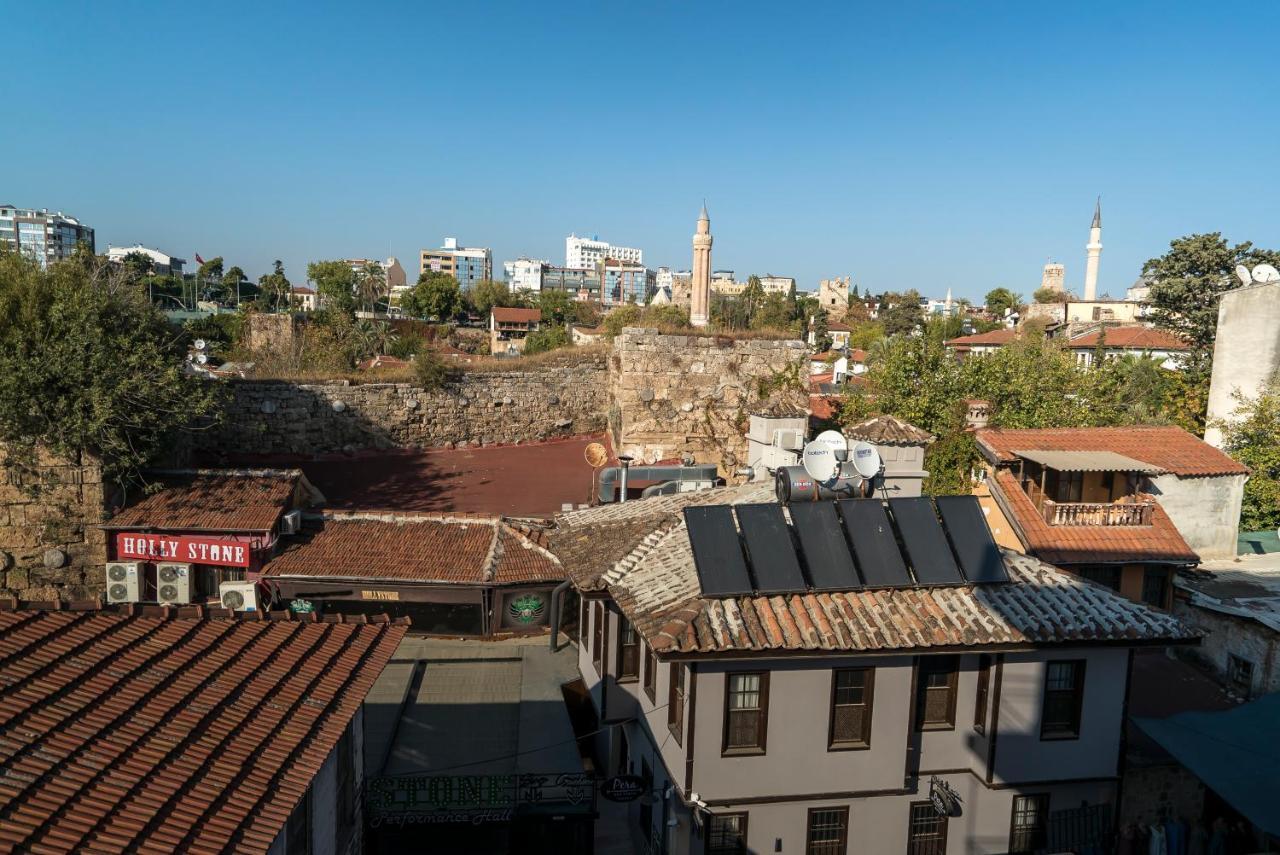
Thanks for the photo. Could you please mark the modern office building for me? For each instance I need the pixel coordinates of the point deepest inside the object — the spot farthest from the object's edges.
(42, 235)
(625, 282)
(590, 251)
(582, 282)
(524, 274)
(162, 264)
(468, 265)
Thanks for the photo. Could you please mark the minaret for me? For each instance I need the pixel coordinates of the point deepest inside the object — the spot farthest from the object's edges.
(1094, 248)
(700, 302)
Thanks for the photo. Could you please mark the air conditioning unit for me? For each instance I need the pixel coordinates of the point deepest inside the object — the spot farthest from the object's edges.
(173, 583)
(124, 582)
(239, 596)
(791, 440)
(291, 523)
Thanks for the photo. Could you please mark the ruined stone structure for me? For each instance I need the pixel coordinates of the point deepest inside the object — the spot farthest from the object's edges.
(676, 395)
(49, 549)
(833, 295)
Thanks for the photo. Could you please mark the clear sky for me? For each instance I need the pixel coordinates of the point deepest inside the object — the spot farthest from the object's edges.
(945, 145)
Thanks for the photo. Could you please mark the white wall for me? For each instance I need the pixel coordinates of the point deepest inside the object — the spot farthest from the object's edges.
(1206, 511)
(1246, 353)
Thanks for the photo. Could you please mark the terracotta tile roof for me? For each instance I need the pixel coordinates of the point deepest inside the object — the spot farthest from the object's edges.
(995, 338)
(448, 548)
(888, 429)
(1089, 544)
(516, 316)
(214, 500)
(857, 355)
(656, 586)
(837, 326)
(824, 407)
(1130, 338)
(1169, 448)
(146, 731)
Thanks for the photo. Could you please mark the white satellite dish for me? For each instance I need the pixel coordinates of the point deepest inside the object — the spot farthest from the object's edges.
(866, 460)
(820, 462)
(202, 358)
(1266, 273)
(834, 440)
(1243, 274)
(199, 344)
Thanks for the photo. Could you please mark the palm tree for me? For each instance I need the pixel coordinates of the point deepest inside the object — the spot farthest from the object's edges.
(371, 284)
(385, 338)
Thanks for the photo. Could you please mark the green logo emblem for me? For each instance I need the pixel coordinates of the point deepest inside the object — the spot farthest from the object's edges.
(301, 607)
(526, 609)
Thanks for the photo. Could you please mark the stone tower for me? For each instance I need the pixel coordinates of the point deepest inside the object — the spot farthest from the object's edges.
(833, 294)
(700, 286)
(1054, 277)
(1094, 248)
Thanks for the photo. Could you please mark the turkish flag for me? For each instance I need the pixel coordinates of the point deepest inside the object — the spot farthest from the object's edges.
(199, 260)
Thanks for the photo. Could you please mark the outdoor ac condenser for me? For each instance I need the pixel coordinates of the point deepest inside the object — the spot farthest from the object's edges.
(173, 583)
(239, 596)
(124, 582)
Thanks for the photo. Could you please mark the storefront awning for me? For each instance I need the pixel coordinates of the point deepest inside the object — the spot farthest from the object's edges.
(1088, 461)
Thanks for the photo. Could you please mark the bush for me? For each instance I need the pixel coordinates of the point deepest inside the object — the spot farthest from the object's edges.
(406, 345)
(546, 338)
(432, 372)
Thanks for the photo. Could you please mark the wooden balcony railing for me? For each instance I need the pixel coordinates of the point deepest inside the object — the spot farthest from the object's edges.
(1096, 513)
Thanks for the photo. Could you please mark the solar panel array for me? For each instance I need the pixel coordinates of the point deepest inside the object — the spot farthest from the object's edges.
(846, 545)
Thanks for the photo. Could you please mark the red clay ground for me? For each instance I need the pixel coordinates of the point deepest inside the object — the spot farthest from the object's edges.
(517, 480)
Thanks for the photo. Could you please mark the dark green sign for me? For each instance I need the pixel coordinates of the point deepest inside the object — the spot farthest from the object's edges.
(476, 799)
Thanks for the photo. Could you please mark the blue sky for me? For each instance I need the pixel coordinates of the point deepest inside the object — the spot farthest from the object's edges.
(930, 146)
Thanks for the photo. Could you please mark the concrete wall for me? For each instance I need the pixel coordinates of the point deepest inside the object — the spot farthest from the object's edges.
(324, 802)
(692, 394)
(1246, 353)
(1227, 634)
(1206, 511)
(481, 409)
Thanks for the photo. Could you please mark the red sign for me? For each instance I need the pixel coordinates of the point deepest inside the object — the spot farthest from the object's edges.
(180, 547)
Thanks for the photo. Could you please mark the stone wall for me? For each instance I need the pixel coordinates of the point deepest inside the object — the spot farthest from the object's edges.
(675, 395)
(48, 548)
(562, 398)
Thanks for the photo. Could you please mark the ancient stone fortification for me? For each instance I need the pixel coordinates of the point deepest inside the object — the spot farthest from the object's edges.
(479, 409)
(48, 548)
(672, 395)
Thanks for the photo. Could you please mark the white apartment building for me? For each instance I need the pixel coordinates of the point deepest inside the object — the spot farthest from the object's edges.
(162, 264)
(41, 235)
(777, 284)
(524, 274)
(590, 251)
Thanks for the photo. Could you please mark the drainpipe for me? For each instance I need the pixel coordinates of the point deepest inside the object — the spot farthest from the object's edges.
(557, 605)
(625, 460)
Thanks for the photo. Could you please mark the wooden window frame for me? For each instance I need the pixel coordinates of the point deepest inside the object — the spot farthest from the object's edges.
(650, 676)
(598, 616)
(982, 697)
(922, 691)
(843, 810)
(675, 701)
(743, 817)
(869, 687)
(1166, 585)
(941, 846)
(761, 747)
(1043, 799)
(1077, 702)
(622, 674)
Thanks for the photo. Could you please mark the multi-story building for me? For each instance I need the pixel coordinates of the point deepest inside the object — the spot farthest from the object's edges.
(468, 265)
(809, 690)
(162, 264)
(397, 281)
(42, 235)
(508, 329)
(626, 282)
(524, 274)
(582, 282)
(590, 251)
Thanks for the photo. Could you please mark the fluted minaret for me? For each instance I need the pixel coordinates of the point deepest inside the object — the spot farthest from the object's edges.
(700, 299)
(1094, 249)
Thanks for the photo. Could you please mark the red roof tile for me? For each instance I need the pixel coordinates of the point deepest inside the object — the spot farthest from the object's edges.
(1090, 544)
(1169, 448)
(418, 548)
(145, 731)
(995, 338)
(1130, 338)
(516, 316)
(214, 500)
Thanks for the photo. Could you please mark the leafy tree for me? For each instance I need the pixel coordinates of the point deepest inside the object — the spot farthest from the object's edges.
(1049, 295)
(621, 316)
(1252, 436)
(729, 313)
(435, 296)
(371, 284)
(556, 307)
(865, 334)
(233, 281)
(586, 313)
(137, 265)
(901, 313)
(211, 270)
(274, 287)
(91, 369)
(486, 294)
(775, 312)
(547, 337)
(335, 284)
(432, 372)
(1000, 299)
(951, 462)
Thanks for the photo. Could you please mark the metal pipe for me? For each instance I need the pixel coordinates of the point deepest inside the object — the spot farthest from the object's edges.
(625, 460)
(610, 474)
(557, 606)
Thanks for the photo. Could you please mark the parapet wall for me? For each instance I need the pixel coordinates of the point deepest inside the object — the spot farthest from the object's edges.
(479, 409)
(676, 395)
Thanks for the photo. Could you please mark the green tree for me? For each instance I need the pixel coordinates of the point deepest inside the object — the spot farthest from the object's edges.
(556, 306)
(865, 334)
(621, 316)
(486, 294)
(335, 284)
(137, 265)
(211, 270)
(1252, 436)
(91, 369)
(1000, 299)
(371, 285)
(274, 287)
(233, 282)
(1049, 295)
(435, 296)
(547, 337)
(774, 312)
(901, 314)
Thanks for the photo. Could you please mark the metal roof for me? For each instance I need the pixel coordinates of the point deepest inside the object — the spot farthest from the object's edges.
(1088, 461)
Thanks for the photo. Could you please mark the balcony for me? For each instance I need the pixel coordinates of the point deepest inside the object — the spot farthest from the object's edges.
(1096, 513)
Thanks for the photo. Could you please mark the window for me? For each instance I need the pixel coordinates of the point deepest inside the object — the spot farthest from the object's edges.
(675, 703)
(746, 712)
(597, 638)
(1063, 699)
(828, 831)
(1070, 486)
(1155, 586)
(936, 693)
(297, 829)
(1029, 826)
(628, 652)
(650, 674)
(851, 708)
(727, 834)
(926, 830)
(1106, 575)
(984, 689)
(1240, 673)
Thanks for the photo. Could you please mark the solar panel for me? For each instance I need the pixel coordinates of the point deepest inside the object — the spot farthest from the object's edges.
(925, 542)
(769, 545)
(825, 552)
(966, 525)
(717, 552)
(874, 543)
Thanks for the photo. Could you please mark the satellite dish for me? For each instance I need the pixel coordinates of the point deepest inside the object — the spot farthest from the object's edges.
(199, 344)
(866, 460)
(834, 440)
(820, 461)
(202, 358)
(596, 455)
(1243, 274)
(1266, 273)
